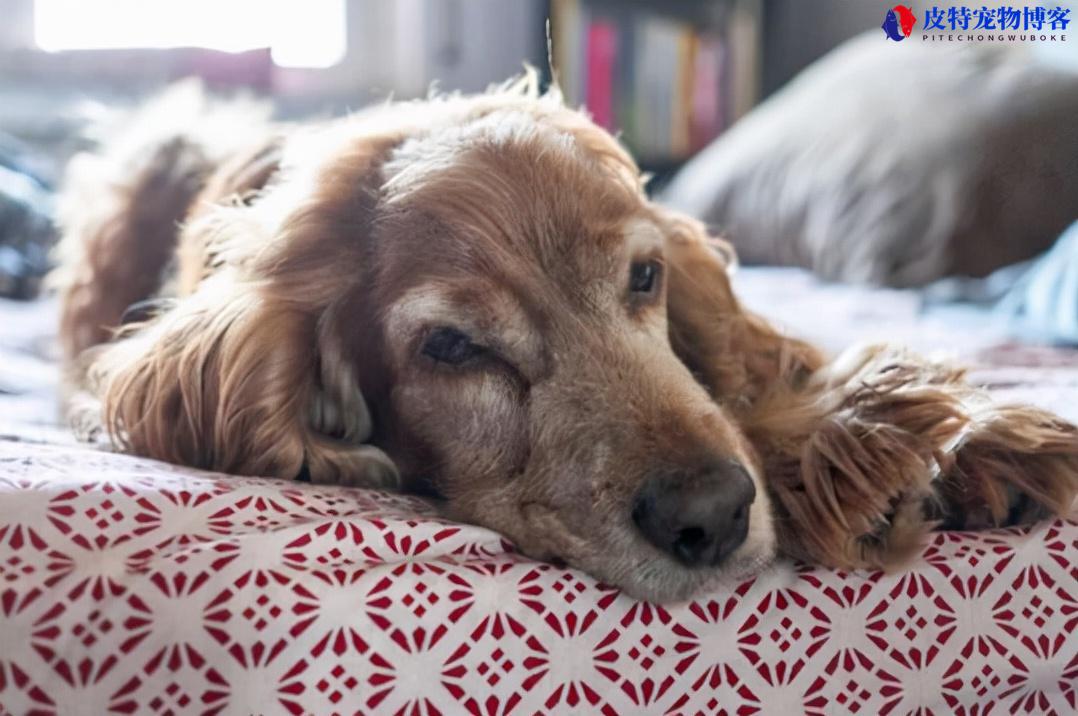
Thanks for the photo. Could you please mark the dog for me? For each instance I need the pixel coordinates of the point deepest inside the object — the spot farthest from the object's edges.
(472, 297)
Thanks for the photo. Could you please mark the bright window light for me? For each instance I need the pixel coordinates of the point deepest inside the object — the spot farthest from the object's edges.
(299, 33)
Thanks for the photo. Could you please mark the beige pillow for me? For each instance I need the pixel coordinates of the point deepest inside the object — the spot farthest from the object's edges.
(897, 164)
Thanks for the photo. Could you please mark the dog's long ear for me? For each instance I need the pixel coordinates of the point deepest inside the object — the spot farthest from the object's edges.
(737, 355)
(248, 374)
(238, 180)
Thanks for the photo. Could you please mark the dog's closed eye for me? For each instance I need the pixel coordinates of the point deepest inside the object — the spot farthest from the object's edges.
(450, 346)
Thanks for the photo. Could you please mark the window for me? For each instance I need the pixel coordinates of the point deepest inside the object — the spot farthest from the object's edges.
(299, 33)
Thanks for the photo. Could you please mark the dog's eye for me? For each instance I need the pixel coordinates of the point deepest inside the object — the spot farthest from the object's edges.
(448, 345)
(642, 276)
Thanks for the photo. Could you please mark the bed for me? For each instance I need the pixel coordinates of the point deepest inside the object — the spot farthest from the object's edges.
(132, 586)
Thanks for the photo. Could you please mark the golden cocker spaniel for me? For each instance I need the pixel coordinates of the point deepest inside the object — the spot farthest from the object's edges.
(473, 297)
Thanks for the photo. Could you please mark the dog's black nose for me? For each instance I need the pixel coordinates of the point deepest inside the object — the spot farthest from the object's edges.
(699, 518)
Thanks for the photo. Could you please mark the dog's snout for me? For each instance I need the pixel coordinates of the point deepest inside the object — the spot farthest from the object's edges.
(699, 517)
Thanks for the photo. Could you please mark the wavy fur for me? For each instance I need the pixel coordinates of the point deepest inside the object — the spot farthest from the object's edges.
(312, 262)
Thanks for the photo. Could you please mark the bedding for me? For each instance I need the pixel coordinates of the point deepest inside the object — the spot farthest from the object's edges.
(1037, 300)
(133, 586)
(1044, 300)
(26, 227)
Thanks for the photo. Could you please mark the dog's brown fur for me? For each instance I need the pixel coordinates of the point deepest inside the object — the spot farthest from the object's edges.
(315, 261)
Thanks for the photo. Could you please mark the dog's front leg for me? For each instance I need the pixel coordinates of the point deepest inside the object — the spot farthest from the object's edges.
(881, 446)
(1014, 464)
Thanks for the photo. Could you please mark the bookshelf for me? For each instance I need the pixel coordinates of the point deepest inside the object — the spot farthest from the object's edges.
(669, 75)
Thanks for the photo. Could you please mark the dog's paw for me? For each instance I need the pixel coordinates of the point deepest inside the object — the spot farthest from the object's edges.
(856, 464)
(853, 497)
(893, 446)
(332, 463)
(1016, 464)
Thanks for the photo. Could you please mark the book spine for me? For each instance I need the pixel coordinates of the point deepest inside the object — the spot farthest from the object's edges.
(565, 30)
(707, 81)
(681, 119)
(601, 59)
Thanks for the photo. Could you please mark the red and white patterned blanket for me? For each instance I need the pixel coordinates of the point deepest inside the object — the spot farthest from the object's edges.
(132, 586)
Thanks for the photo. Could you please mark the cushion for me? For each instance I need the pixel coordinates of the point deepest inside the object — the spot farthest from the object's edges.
(132, 586)
(129, 586)
(897, 164)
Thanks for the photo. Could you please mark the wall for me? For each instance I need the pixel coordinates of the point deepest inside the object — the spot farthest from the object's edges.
(797, 32)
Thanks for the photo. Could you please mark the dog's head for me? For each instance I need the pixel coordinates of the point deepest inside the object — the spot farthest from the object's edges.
(473, 296)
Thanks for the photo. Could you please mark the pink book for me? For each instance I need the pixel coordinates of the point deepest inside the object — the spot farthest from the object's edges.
(602, 50)
(707, 109)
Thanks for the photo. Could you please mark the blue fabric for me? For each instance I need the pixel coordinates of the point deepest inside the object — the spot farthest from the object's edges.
(1043, 302)
(1034, 301)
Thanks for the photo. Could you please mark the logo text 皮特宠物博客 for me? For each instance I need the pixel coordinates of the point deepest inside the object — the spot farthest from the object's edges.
(962, 23)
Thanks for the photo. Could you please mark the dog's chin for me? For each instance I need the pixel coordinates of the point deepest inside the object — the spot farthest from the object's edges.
(645, 573)
(651, 575)
(622, 558)
(662, 579)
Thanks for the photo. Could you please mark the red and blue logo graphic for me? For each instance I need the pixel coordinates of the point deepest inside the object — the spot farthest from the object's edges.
(899, 22)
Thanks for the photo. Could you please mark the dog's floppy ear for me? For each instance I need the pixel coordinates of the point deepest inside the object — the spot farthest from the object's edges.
(248, 374)
(238, 180)
(737, 355)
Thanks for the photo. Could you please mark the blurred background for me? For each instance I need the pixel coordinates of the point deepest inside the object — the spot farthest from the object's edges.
(944, 161)
(670, 74)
